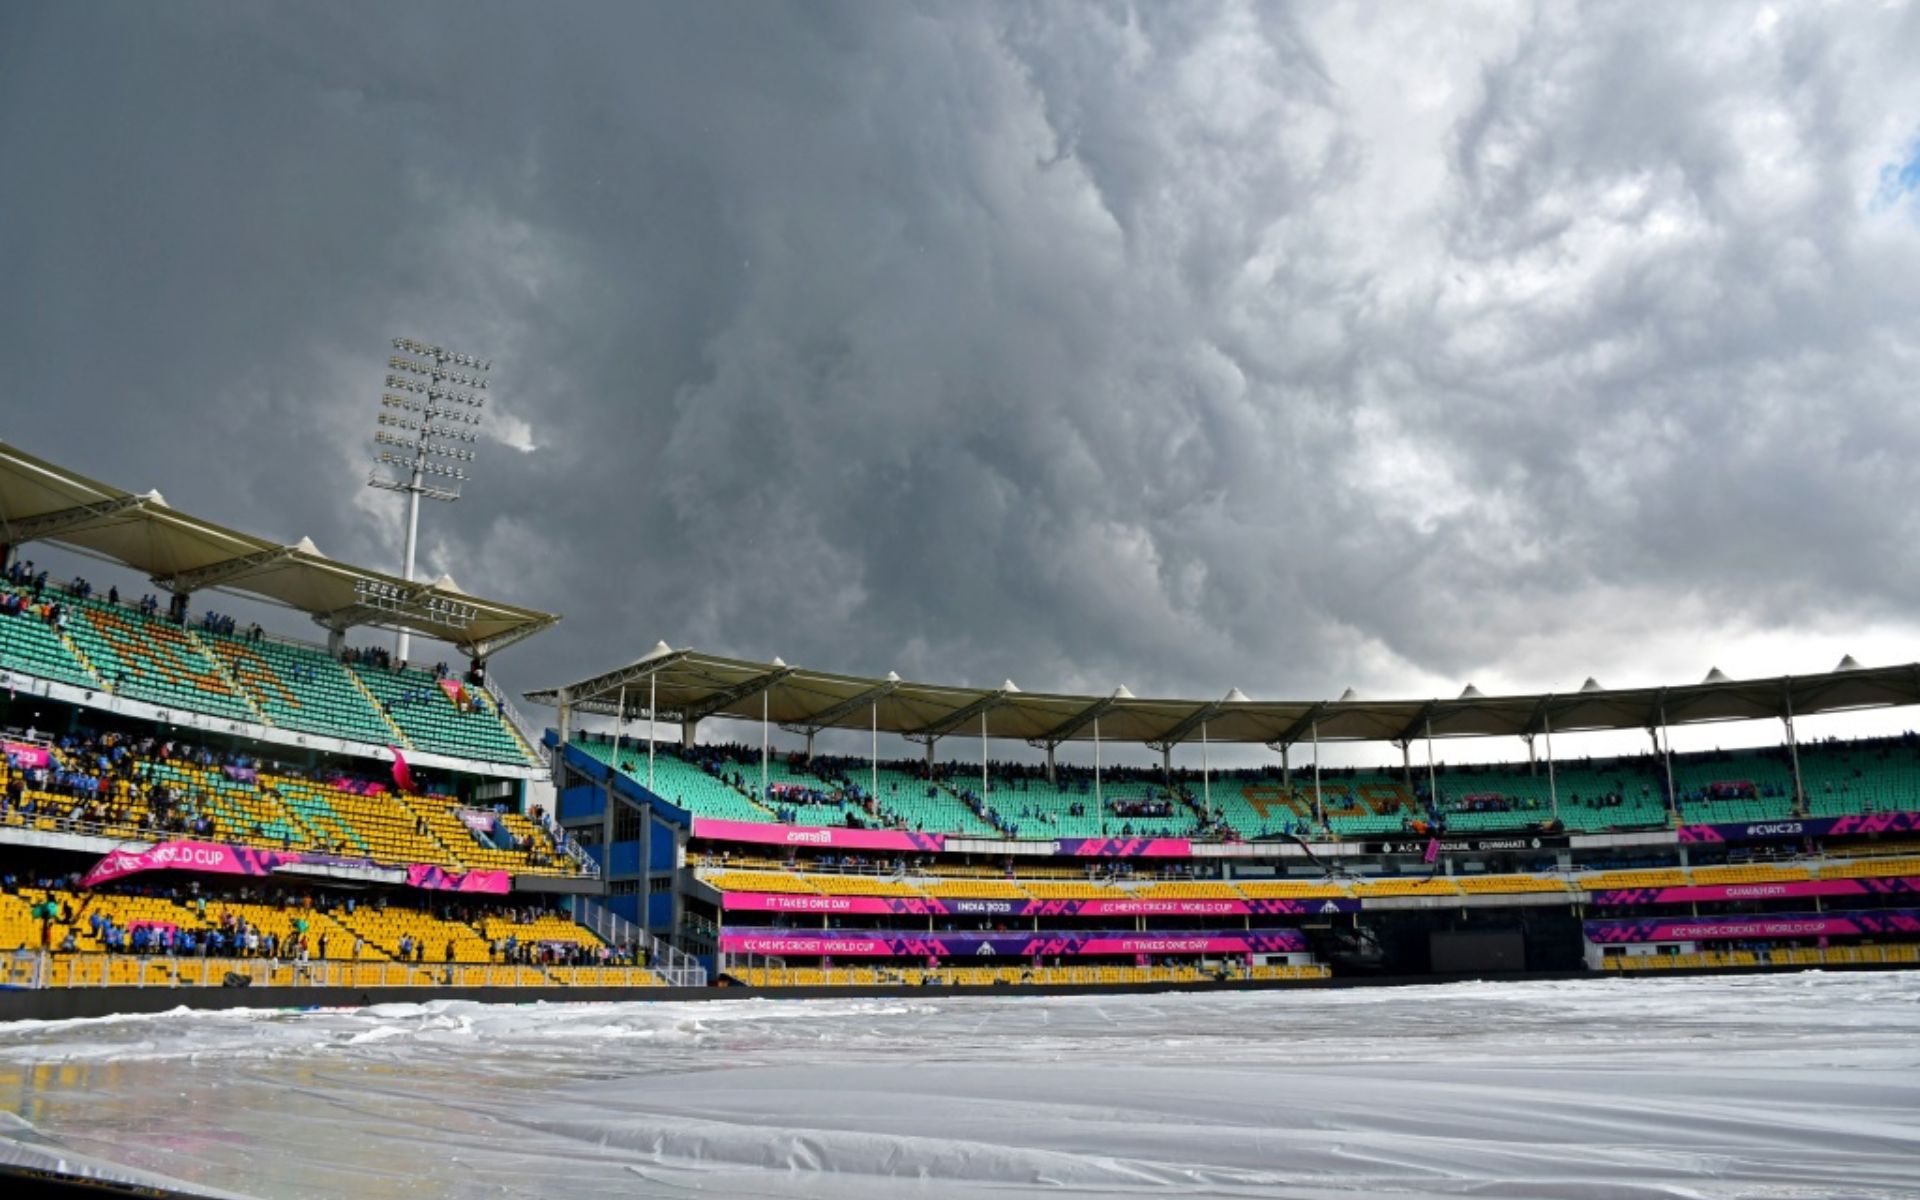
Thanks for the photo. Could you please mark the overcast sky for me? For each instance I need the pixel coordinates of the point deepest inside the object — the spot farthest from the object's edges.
(1184, 346)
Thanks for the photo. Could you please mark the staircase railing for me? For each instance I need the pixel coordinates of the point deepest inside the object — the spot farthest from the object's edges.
(520, 724)
(671, 964)
(568, 845)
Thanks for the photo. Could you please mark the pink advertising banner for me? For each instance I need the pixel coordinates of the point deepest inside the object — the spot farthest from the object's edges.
(210, 857)
(28, 755)
(980, 946)
(215, 858)
(951, 906)
(424, 875)
(1126, 847)
(1783, 925)
(816, 836)
(1759, 891)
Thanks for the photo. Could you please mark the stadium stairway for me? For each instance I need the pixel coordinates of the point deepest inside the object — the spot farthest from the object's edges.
(29, 645)
(424, 708)
(298, 687)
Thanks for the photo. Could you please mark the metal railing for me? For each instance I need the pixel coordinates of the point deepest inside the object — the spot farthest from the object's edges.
(520, 724)
(49, 969)
(669, 962)
(569, 845)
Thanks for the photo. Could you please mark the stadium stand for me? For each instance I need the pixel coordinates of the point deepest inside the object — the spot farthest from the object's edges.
(1782, 956)
(441, 714)
(1030, 806)
(1592, 796)
(143, 938)
(918, 803)
(127, 650)
(1729, 786)
(695, 787)
(299, 687)
(145, 658)
(154, 790)
(29, 643)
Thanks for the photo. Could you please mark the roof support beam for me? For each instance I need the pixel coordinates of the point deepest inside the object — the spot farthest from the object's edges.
(585, 695)
(1187, 724)
(933, 732)
(1299, 728)
(1537, 719)
(1418, 725)
(1657, 711)
(852, 704)
(1078, 721)
(487, 647)
(214, 574)
(733, 695)
(46, 525)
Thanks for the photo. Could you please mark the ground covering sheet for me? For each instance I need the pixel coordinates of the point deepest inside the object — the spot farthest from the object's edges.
(1786, 1086)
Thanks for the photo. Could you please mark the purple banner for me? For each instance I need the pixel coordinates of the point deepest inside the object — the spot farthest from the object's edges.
(825, 836)
(1804, 827)
(1159, 847)
(875, 944)
(1759, 891)
(241, 774)
(948, 906)
(1767, 928)
(425, 875)
(215, 858)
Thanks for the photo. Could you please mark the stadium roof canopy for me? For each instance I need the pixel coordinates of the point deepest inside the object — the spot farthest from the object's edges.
(690, 686)
(180, 553)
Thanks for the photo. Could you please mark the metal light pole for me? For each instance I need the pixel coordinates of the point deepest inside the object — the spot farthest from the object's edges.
(426, 423)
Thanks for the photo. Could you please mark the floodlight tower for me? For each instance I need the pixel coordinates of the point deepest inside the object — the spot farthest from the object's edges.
(427, 427)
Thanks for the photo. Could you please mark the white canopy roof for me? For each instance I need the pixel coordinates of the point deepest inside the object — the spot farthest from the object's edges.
(40, 501)
(691, 685)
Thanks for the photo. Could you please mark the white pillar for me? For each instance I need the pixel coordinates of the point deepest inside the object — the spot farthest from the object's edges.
(1319, 805)
(619, 721)
(1793, 753)
(983, 756)
(1553, 789)
(1206, 778)
(1666, 742)
(1433, 780)
(1097, 801)
(766, 744)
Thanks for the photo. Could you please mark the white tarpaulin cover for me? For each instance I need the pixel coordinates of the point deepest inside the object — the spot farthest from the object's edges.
(1789, 1086)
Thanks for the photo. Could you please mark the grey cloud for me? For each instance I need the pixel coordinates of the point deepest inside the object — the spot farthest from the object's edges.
(1176, 346)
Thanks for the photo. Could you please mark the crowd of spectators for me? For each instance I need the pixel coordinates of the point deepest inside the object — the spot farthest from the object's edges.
(67, 914)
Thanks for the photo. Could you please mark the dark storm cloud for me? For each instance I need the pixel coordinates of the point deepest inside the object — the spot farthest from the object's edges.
(1181, 346)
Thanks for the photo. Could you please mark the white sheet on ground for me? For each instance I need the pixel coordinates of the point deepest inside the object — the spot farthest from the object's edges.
(1790, 1086)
